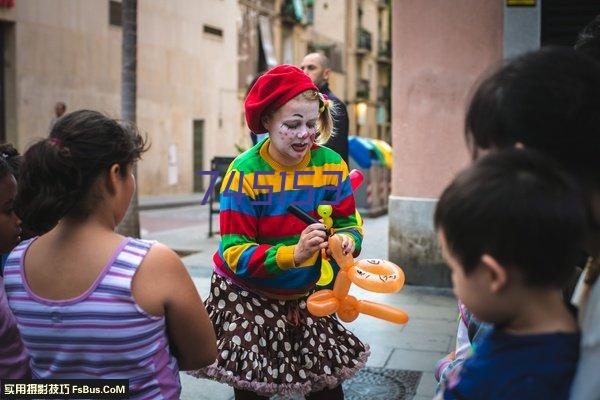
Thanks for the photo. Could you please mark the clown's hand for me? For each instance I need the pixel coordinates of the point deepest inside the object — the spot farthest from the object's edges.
(348, 244)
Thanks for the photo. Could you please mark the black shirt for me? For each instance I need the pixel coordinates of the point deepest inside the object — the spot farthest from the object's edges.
(339, 140)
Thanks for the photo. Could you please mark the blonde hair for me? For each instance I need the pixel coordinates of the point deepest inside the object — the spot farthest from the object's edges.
(324, 122)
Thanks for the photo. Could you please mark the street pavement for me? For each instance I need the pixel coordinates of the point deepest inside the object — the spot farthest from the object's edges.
(428, 336)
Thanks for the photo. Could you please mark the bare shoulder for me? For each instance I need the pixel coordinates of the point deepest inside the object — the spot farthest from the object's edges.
(160, 275)
(162, 259)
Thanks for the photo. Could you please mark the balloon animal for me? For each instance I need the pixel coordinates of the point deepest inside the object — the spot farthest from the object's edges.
(375, 275)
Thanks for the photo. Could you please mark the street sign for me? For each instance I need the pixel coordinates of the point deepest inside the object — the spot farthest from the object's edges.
(520, 3)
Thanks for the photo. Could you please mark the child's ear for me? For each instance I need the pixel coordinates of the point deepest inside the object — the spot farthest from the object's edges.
(498, 276)
(112, 178)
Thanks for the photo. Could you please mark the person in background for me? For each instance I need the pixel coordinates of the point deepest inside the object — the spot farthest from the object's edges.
(512, 276)
(89, 302)
(14, 361)
(60, 108)
(587, 295)
(316, 66)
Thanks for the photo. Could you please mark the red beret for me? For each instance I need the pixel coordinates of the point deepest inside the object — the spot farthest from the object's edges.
(272, 90)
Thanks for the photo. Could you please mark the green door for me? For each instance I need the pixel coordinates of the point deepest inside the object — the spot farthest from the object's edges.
(198, 155)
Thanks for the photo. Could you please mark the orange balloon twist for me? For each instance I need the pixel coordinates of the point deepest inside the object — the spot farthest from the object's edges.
(379, 276)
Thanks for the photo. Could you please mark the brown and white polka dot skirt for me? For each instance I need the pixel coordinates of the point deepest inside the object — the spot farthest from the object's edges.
(277, 347)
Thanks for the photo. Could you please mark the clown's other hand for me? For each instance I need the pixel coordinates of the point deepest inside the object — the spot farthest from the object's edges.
(312, 239)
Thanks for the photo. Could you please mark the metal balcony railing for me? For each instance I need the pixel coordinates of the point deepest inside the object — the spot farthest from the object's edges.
(384, 49)
(364, 39)
(363, 89)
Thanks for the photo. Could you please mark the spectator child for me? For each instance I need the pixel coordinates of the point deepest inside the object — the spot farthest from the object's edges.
(510, 228)
(14, 361)
(548, 100)
(91, 303)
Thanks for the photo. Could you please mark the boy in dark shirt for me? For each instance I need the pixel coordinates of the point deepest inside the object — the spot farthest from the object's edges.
(510, 228)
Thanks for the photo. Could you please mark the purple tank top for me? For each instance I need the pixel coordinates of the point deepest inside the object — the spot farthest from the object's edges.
(102, 333)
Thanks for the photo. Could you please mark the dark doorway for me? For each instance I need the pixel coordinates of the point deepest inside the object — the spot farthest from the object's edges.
(7, 83)
(198, 155)
(3, 38)
(563, 19)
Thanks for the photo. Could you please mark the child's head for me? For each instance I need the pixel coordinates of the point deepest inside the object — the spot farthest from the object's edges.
(546, 100)
(10, 224)
(512, 221)
(87, 159)
(287, 104)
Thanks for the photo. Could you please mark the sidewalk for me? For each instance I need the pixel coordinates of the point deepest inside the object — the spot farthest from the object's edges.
(428, 336)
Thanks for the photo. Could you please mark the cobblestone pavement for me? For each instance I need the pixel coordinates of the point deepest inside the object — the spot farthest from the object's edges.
(429, 335)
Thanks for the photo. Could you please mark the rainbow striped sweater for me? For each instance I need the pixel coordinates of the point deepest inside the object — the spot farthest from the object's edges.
(258, 234)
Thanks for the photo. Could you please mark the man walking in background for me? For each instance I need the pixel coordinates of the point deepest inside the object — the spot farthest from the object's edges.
(316, 66)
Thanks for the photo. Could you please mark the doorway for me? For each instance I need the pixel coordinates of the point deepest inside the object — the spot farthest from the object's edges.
(198, 155)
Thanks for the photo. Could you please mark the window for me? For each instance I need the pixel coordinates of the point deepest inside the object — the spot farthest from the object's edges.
(114, 13)
(211, 30)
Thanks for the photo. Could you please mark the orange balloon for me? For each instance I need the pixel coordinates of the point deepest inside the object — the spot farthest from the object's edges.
(376, 275)
(348, 310)
(341, 285)
(322, 303)
(345, 261)
(382, 311)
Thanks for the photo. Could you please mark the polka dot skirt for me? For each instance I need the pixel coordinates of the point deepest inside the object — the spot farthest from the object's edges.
(275, 346)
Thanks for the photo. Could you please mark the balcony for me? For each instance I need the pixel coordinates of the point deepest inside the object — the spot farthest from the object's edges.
(365, 41)
(292, 11)
(383, 94)
(384, 52)
(363, 89)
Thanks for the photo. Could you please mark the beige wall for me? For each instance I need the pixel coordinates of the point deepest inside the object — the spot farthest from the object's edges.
(67, 51)
(329, 19)
(186, 74)
(440, 48)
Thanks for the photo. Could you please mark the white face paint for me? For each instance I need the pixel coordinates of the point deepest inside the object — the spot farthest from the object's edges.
(292, 129)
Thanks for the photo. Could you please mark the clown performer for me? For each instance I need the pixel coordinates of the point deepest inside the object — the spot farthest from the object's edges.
(269, 261)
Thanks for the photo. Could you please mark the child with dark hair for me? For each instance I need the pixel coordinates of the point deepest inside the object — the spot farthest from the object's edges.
(510, 228)
(547, 100)
(89, 302)
(14, 361)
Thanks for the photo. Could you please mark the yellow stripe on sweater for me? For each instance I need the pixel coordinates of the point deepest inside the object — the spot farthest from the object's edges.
(232, 254)
(316, 179)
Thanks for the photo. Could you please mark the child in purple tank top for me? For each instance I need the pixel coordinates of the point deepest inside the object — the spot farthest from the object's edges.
(14, 362)
(89, 302)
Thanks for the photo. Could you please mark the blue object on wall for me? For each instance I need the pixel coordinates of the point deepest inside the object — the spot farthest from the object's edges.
(360, 151)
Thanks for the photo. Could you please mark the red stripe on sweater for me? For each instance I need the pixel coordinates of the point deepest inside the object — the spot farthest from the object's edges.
(256, 264)
(345, 208)
(282, 225)
(237, 223)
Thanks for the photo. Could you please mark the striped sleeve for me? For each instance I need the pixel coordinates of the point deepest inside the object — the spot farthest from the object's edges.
(344, 212)
(239, 230)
